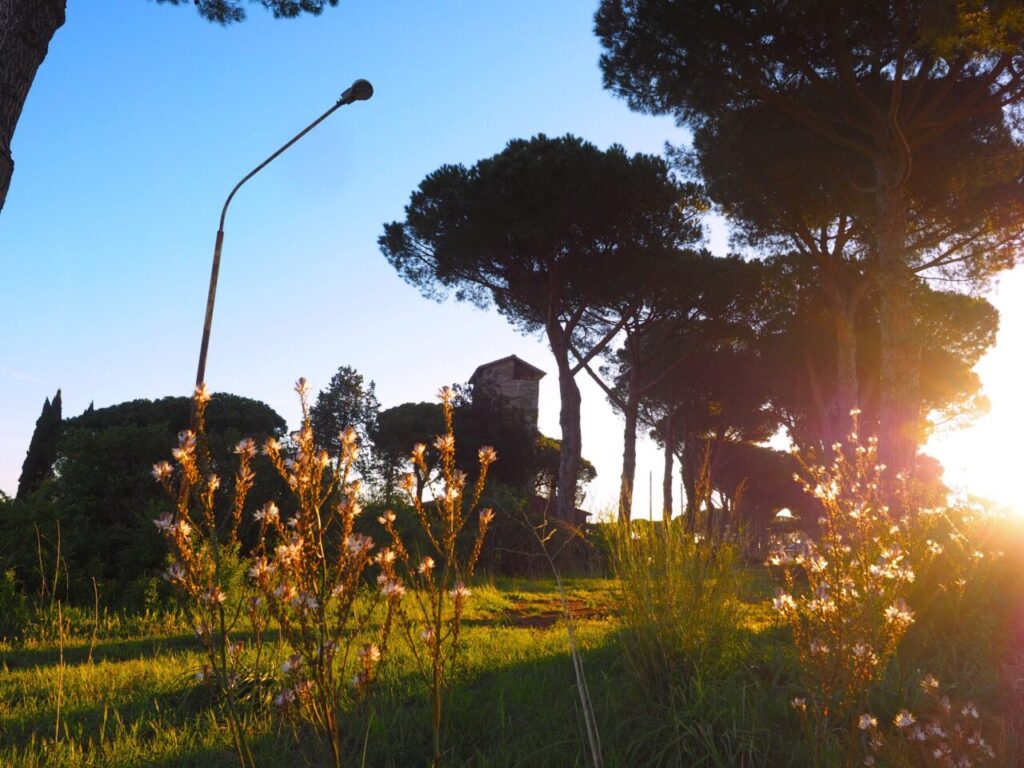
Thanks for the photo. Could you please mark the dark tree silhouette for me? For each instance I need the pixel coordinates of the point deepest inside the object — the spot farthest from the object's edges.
(103, 494)
(346, 401)
(884, 80)
(27, 27)
(42, 449)
(553, 232)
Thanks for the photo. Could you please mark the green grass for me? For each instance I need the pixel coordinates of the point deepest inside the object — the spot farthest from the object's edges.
(134, 701)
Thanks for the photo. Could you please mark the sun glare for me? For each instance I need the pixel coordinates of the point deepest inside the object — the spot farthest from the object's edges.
(985, 459)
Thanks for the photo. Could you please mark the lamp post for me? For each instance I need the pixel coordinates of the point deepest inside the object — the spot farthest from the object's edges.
(360, 90)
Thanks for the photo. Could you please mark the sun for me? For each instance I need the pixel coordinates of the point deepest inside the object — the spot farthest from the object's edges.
(985, 459)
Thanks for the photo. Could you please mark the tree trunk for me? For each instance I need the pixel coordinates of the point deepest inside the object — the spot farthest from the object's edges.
(688, 468)
(26, 28)
(569, 420)
(631, 412)
(899, 398)
(666, 480)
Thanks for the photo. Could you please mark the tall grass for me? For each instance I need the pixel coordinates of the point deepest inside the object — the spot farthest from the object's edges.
(686, 649)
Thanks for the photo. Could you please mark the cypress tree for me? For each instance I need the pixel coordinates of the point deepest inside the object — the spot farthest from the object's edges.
(42, 449)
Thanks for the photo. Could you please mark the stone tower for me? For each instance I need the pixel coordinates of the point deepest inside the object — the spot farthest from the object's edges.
(509, 383)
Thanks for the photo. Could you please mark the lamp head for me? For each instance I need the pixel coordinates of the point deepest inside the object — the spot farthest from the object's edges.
(360, 90)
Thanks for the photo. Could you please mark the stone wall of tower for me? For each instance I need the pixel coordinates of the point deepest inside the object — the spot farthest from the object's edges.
(508, 383)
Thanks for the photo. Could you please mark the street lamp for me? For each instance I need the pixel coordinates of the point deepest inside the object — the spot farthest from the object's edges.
(360, 90)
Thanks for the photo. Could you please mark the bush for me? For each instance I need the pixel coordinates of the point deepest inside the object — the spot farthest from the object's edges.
(14, 613)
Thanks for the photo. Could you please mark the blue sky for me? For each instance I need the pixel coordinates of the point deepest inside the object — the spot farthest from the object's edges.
(143, 117)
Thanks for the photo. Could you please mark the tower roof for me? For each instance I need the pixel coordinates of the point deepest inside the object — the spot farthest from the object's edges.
(521, 370)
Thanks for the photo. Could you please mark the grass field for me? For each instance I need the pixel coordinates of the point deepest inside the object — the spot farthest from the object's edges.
(131, 698)
(123, 691)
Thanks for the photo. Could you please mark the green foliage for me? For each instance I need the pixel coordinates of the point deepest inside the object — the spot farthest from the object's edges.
(554, 233)
(685, 648)
(13, 607)
(231, 11)
(104, 499)
(347, 401)
(42, 449)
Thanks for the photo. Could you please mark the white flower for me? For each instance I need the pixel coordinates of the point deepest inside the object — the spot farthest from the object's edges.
(369, 654)
(267, 513)
(162, 471)
(899, 612)
(903, 719)
(460, 593)
(783, 602)
(357, 543)
(426, 565)
(260, 567)
(292, 663)
(866, 721)
(392, 589)
(246, 447)
(930, 683)
(164, 522)
(799, 704)
(969, 710)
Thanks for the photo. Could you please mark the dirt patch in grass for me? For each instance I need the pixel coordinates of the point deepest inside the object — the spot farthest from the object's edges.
(533, 614)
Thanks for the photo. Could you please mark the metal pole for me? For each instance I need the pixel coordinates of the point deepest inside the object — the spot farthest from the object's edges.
(359, 91)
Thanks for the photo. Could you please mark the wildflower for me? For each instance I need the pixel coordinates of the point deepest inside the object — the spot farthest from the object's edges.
(268, 513)
(799, 704)
(285, 697)
(359, 679)
(291, 664)
(348, 436)
(392, 590)
(271, 447)
(934, 548)
(260, 567)
(386, 556)
(969, 710)
(183, 529)
(460, 593)
(164, 522)
(369, 654)
(201, 395)
(783, 602)
(203, 674)
(246, 447)
(162, 471)
(418, 451)
(289, 553)
(818, 648)
(487, 455)
(302, 387)
(214, 596)
(867, 721)
(855, 412)
(899, 613)
(930, 683)
(285, 592)
(212, 482)
(174, 573)
(387, 518)
(305, 601)
(357, 543)
(903, 719)
(426, 565)
(486, 516)
(427, 635)
(444, 394)
(444, 443)
(408, 482)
